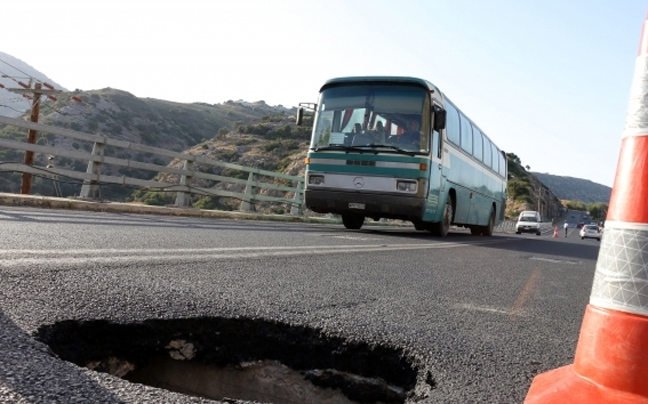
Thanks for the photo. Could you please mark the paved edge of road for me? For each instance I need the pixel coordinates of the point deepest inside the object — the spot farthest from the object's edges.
(38, 201)
(51, 202)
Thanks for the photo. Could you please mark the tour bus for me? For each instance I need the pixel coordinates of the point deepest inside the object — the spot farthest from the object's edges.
(398, 148)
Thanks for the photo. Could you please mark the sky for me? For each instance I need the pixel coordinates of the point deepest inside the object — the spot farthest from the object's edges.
(546, 80)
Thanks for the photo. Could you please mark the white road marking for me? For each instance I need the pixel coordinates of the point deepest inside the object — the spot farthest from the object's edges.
(556, 261)
(11, 258)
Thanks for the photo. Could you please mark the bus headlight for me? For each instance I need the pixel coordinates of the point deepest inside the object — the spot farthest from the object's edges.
(406, 186)
(316, 179)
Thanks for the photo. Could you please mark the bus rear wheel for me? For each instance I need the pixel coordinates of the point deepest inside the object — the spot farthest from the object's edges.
(443, 227)
(419, 225)
(351, 221)
(488, 229)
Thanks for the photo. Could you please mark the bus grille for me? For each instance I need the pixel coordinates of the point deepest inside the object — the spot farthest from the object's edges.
(361, 163)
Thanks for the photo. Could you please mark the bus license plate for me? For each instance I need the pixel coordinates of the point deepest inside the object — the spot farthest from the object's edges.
(355, 205)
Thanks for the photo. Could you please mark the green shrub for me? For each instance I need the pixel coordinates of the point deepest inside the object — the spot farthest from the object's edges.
(271, 146)
(284, 132)
(245, 142)
(518, 190)
(207, 202)
(158, 198)
(260, 130)
(241, 175)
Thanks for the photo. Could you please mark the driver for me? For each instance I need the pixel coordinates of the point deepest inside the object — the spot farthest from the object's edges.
(412, 136)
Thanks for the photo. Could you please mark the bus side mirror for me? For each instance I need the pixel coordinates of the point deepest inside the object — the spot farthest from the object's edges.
(439, 119)
(300, 115)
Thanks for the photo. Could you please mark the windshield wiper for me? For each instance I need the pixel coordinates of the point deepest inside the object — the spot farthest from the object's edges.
(392, 147)
(341, 147)
(362, 148)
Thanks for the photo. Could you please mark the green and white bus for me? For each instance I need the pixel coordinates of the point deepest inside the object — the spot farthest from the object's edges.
(398, 148)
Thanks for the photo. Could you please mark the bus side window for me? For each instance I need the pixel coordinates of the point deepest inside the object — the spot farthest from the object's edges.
(502, 166)
(452, 124)
(495, 160)
(466, 134)
(487, 155)
(478, 144)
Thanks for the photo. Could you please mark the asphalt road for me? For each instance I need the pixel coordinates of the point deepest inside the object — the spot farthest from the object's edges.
(475, 317)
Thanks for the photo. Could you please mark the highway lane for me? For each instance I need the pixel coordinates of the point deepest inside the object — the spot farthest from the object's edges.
(483, 315)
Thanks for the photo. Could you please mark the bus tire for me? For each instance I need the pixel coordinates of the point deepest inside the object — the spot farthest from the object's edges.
(475, 230)
(351, 221)
(419, 225)
(488, 229)
(442, 228)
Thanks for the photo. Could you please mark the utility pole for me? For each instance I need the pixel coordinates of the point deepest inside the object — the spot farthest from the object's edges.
(26, 182)
(35, 95)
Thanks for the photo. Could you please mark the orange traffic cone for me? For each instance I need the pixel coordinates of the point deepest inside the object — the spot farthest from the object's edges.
(611, 360)
(555, 232)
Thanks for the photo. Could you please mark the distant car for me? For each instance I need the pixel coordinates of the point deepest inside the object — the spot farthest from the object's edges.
(529, 221)
(580, 225)
(590, 231)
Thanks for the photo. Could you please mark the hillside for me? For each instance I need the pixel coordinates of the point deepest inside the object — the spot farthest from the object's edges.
(575, 189)
(526, 192)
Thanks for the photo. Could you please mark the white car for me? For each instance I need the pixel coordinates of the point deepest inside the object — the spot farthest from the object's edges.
(528, 222)
(590, 231)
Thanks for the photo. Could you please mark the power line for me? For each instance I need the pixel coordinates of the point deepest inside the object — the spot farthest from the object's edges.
(27, 75)
(10, 65)
(12, 108)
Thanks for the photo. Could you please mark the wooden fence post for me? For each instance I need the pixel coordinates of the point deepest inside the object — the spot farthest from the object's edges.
(250, 191)
(90, 188)
(185, 179)
(296, 209)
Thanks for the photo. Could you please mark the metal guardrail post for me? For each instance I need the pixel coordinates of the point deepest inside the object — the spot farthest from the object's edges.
(250, 191)
(296, 209)
(185, 179)
(90, 188)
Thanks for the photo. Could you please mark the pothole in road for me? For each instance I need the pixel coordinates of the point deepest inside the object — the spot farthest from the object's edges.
(241, 359)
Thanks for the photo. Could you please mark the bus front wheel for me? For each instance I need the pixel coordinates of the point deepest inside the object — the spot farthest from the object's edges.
(443, 227)
(351, 221)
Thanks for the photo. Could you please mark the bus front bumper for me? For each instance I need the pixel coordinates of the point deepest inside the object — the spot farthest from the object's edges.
(373, 205)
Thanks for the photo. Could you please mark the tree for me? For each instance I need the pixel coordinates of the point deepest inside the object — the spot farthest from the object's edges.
(597, 210)
(514, 158)
(576, 205)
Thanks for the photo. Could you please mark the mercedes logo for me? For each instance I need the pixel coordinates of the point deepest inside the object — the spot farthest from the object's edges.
(358, 182)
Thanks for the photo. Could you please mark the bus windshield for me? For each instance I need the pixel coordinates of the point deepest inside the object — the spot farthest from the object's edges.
(376, 117)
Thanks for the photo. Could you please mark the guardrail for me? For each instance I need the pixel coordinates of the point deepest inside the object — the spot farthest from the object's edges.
(96, 158)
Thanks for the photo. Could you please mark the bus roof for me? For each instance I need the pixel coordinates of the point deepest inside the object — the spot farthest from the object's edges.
(381, 79)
